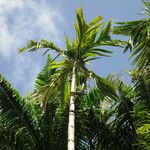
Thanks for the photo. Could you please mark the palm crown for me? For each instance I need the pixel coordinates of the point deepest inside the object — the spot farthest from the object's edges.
(84, 48)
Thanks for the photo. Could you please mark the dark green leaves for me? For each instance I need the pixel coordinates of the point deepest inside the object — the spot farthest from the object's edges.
(17, 120)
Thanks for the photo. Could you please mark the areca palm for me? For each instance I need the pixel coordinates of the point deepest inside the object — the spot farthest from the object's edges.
(24, 125)
(71, 72)
(139, 37)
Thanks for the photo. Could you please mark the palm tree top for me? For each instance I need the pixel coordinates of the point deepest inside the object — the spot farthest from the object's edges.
(88, 45)
(85, 46)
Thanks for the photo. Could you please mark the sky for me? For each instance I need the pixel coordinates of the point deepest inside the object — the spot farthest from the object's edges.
(23, 20)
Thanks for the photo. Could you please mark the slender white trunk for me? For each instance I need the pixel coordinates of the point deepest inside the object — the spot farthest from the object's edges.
(71, 123)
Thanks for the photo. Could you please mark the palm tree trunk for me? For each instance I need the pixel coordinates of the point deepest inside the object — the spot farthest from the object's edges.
(71, 123)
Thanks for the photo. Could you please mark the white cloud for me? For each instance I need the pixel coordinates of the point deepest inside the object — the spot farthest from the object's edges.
(44, 20)
(24, 73)
(6, 39)
(20, 21)
(8, 5)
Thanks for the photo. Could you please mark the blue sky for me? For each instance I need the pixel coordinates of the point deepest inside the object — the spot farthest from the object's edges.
(23, 20)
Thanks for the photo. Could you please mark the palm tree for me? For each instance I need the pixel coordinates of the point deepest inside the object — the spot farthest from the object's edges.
(139, 37)
(71, 70)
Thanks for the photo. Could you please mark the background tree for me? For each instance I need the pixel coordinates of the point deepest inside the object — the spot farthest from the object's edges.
(104, 122)
(139, 44)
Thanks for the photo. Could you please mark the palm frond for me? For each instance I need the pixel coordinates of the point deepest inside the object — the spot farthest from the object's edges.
(105, 86)
(142, 85)
(17, 119)
(139, 37)
(34, 46)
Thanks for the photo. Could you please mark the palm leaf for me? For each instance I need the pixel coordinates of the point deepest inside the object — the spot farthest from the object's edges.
(139, 37)
(16, 117)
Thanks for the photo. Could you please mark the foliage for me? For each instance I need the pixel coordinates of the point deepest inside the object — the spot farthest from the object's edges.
(87, 46)
(139, 37)
(101, 122)
(141, 82)
(24, 126)
(16, 122)
(138, 32)
(111, 115)
(104, 123)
